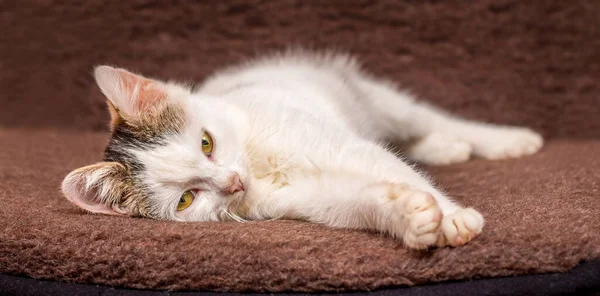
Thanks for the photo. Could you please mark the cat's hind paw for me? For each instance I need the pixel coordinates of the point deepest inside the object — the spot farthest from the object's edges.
(460, 227)
(439, 149)
(507, 142)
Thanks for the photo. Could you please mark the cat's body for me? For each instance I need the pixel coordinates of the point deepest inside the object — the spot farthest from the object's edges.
(295, 136)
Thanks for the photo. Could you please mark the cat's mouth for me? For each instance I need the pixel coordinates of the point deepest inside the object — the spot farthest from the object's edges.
(245, 181)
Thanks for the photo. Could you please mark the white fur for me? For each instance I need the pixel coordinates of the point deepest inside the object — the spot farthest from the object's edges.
(306, 136)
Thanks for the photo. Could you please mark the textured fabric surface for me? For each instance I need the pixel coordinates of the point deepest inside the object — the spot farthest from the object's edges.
(543, 215)
(533, 63)
(522, 62)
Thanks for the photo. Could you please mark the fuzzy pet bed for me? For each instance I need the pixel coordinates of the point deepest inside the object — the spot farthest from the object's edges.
(501, 61)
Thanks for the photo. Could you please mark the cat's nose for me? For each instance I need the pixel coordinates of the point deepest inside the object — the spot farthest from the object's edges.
(235, 184)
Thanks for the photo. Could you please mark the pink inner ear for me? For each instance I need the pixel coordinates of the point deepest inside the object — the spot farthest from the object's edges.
(83, 186)
(148, 92)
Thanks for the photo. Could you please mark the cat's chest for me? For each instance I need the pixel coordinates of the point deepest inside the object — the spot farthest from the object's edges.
(276, 168)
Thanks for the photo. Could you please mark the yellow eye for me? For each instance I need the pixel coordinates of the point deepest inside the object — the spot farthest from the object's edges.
(207, 143)
(185, 201)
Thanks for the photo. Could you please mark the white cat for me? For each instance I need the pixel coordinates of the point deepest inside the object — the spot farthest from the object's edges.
(293, 136)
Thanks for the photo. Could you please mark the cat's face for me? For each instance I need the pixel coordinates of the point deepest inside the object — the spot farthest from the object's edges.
(172, 155)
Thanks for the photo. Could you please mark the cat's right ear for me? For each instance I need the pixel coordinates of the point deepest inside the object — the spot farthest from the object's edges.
(130, 96)
(96, 188)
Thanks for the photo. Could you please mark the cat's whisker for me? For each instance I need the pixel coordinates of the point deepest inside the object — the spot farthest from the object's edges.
(233, 216)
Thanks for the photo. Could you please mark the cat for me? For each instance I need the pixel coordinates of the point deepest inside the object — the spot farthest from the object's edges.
(295, 135)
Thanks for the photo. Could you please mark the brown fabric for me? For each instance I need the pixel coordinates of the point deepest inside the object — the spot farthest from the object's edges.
(543, 215)
(509, 61)
(533, 63)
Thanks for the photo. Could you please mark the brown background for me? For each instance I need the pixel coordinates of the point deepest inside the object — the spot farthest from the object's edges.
(533, 63)
(522, 62)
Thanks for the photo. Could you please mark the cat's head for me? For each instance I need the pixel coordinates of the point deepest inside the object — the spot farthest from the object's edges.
(172, 154)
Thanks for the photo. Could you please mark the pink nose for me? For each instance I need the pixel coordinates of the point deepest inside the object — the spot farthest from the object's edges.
(235, 185)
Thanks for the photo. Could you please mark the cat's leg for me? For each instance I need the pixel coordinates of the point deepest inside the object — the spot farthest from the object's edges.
(345, 201)
(435, 137)
(359, 182)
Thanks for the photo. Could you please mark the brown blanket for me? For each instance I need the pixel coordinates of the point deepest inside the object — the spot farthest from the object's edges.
(517, 62)
(543, 215)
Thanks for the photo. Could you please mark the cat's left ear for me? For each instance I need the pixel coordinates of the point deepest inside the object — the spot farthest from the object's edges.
(96, 188)
(130, 95)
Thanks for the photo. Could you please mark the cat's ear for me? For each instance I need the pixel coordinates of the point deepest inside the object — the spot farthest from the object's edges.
(96, 188)
(129, 95)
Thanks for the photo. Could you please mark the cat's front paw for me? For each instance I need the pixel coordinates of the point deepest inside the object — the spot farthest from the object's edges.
(507, 142)
(460, 227)
(422, 218)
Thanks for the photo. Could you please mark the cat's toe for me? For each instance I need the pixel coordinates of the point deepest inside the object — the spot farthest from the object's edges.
(534, 141)
(460, 227)
(526, 142)
(422, 220)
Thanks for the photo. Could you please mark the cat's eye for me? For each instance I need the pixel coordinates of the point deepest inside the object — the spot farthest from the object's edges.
(185, 200)
(207, 143)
